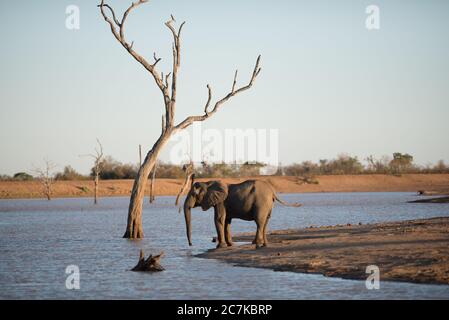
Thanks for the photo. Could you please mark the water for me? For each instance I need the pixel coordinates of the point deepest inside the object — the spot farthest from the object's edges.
(39, 239)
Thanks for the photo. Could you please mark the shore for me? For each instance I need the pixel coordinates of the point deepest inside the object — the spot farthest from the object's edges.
(282, 184)
(412, 251)
(432, 200)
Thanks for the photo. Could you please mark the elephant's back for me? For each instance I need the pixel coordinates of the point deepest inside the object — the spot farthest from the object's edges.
(246, 196)
(249, 187)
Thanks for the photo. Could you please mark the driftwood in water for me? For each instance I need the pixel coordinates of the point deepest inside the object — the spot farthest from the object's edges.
(150, 264)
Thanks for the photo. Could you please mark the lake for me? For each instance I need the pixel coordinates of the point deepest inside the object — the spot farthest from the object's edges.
(39, 239)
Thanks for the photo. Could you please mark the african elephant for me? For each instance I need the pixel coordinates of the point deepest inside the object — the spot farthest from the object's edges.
(251, 200)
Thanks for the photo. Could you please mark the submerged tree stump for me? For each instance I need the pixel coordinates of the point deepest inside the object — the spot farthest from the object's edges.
(150, 264)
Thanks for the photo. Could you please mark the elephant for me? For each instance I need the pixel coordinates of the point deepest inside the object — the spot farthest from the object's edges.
(251, 200)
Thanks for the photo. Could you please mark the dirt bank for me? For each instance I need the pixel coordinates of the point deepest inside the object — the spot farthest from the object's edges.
(335, 183)
(412, 251)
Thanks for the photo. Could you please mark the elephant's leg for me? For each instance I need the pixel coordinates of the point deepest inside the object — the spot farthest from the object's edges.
(259, 233)
(219, 218)
(265, 241)
(228, 235)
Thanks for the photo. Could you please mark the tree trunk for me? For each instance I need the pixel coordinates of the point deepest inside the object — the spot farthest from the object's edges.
(48, 190)
(152, 183)
(96, 189)
(134, 228)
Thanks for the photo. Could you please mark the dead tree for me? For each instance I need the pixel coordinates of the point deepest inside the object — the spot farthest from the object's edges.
(96, 170)
(152, 182)
(150, 264)
(46, 176)
(167, 83)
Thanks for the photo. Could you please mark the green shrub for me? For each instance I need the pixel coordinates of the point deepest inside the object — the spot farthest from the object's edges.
(22, 176)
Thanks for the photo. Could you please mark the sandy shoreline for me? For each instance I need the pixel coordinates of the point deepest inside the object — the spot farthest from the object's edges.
(412, 251)
(283, 184)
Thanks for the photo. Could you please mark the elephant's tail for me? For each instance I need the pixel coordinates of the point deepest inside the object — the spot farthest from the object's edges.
(294, 204)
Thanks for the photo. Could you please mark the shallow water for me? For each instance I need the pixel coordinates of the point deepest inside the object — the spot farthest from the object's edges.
(39, 239)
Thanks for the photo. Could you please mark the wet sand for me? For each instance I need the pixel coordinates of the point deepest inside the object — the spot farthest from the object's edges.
(412, 251)
(282, 184)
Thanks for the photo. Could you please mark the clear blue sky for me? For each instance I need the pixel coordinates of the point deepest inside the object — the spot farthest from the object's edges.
(328, 84)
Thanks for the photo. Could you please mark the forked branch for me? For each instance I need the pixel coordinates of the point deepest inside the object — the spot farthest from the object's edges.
(207, 114)
(118, 30)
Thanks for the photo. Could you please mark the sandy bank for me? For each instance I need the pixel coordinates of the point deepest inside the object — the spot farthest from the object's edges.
(412, 251)
(335, 183)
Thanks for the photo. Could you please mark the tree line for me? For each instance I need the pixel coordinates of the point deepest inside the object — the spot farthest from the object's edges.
(109, 169)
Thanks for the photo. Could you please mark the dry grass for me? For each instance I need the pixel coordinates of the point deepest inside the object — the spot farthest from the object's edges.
(335, 183)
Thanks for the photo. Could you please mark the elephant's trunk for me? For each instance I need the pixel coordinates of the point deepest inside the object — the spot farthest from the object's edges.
(187, 215)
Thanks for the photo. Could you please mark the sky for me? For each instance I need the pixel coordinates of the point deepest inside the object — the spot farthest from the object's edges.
(328, 84)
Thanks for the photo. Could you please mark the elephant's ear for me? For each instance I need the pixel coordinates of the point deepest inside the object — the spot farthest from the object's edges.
(216, 193)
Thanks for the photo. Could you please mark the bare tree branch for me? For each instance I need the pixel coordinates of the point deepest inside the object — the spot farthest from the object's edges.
(113, 15)
(189, 120)
(46, 176)
(97, 168)
(125, 16)
(209, 98)
(120, 36)
(176, 64)
(167, 77)
(235, 81)
(156, 60)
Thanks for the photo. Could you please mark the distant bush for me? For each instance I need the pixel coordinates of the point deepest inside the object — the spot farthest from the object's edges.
(22, 176)
(306, 171)
(399, 164)
(344, 164)
(69, 174)
(113, 169)
(169, 171)
(381, 165)
(402, 163)
(440, 167)
(301, 169)
(221, 170)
